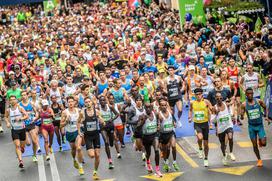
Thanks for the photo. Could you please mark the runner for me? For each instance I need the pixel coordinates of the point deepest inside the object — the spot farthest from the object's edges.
(57, 109)
(199, 113)
(150, 126)
(256, 131)
(69, 119)
(108, 114)
(15, 117)
(30, 125)
(167, 135)
(90, 118)
(224, 127)
(175, 87)
(46, 115)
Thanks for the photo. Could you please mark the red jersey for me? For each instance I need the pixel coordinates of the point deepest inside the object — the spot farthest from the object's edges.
(233, 75)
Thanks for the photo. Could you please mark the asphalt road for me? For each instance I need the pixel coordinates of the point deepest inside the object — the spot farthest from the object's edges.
(131, 168)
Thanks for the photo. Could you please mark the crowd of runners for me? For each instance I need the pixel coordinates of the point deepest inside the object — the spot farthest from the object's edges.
(107, 70)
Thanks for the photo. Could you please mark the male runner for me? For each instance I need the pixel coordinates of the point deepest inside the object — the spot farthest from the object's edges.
(15, 117)
(90, 118)
(200, 112)
(256, 131)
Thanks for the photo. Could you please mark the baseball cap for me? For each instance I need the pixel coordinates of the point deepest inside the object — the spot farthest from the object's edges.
(197, 90)
(45, 103)
(11, 72)
(191, 67)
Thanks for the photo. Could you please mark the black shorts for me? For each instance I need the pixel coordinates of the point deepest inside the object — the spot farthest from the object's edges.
(238, 94)
(172, 103)
(202, 128)
(222, 136)
(56, 123)
(30, 127)
(92, 141)
(18, 134)
(149, 139)
(165, 137)
(137, 131)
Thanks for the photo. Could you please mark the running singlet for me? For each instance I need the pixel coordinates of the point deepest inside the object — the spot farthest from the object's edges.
(101, 87)
(117, 121)
(90, 124)
(173, 88)
(200, 111)
(207, 87)
(223, 119)
(192, 85)
(57, 94)
(46, 120)
(254, 113)
(144, 93)
(167, 125)
(13, 114)
(253, 82)
(233, 75)
(118, 95)
(69, 90)
(57, 112)
(150, 126)
(106, 114)
(126, 85)
(30, 111)
(138, 113)
(72, 121)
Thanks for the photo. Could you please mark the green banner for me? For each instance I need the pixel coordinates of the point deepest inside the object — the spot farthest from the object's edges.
(49, 5)
(195, 8)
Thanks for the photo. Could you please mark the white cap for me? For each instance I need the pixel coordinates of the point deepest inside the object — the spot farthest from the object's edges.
(45, 103)
(191, 67)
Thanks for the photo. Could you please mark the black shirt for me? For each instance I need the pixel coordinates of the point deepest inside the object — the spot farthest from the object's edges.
(226, 94)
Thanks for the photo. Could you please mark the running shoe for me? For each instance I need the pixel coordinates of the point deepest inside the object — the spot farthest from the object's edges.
(111, 166)
(34, 159)
(200, 154)
(231, 156)
(81, 171)
(128, 132)
(143, 157)
(47, 158)
(22, 149)
(76, 164)
(123, 146)
(158, 172)
(51, 150)
(39, 150)
(259, 163)
(64, 140)
(83, 162)
(225, 160)
(60, 149)
(165, 167)
(175, 166)
(1, 129)
(119, 155)
(95, 176)
(206, 163)
(21, 164)
(149, 168)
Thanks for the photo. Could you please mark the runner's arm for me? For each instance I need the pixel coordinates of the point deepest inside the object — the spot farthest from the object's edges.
(115, 113)
(243, 110)
(25, 115)
(7, 120)
(261, 83)
(63, 120)
(190, 116)
(79, 121)
(262, 104)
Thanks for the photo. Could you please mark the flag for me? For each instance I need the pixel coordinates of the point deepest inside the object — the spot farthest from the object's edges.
(258, 24)
(133, 3)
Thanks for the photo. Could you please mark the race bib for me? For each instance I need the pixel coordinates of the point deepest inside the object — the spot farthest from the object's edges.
(91, 126)
(168, 127)
(47, 121)
(224, 119)
(199, 115)
(254, 114)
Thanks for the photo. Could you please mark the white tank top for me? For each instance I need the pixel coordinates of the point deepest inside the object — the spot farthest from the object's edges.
(137, 115)
(57, 94)
(223, 119)
(13, 114)
(72, 120)
(69, 90)
(167, 125)
(252, 81)
(117, 121)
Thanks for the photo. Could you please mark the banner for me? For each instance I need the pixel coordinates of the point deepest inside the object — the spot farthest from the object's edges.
(49, 5)
(193, 7)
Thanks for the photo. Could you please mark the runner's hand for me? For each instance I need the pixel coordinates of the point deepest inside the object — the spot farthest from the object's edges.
(8, 125)
(80, 134)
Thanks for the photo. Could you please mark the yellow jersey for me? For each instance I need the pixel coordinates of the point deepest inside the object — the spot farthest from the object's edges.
(200, 112)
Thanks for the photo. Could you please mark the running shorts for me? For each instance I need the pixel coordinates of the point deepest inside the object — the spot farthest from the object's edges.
(56, 123)
(49, 128)
(92, 141)
(255, 130)
(222, 135)
(71, 136)
(30, 127)
(18, 134)
(202, 128)
(149, 139)
(165, 137)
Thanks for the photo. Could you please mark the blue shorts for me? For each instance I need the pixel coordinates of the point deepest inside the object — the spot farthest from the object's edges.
(38, 122)
(255, 130)
(71, 136)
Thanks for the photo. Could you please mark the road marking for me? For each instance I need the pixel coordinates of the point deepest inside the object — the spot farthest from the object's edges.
(54, 168)
(186, 157)
(211, 145)
(41, 168)
(112, 179)
(165, 177)
(244, 144)
(234, 170)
